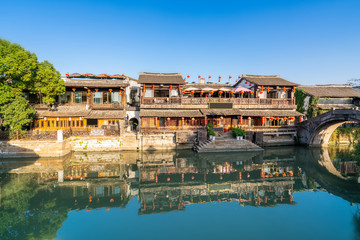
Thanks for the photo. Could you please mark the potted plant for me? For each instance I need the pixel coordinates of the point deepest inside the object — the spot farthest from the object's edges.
(238, 133)
(211, 131)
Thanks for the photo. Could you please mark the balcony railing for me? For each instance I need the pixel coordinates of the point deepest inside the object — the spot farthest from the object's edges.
(201, 101)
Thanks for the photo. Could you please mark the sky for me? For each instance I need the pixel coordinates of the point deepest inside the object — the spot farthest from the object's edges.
(304, 41)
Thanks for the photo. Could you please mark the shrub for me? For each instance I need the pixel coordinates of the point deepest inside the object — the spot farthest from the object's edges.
(238, 132)
(211, 132)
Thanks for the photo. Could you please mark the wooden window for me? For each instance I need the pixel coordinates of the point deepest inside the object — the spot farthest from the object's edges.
(57, 123)
(81, 123)
(61, 123)
(37, 123)
(48, 123)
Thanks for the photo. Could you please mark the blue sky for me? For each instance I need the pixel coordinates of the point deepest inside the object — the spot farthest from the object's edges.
(305, 41)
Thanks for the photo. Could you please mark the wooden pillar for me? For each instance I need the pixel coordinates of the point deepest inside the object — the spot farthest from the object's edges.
(182, 122)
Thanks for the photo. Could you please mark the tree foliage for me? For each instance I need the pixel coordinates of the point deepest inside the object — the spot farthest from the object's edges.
(20, 72)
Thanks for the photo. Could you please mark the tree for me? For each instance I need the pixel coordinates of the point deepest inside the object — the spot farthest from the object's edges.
(354, 82)
(20, 72)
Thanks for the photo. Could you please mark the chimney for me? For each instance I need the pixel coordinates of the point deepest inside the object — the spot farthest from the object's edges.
(202, 80)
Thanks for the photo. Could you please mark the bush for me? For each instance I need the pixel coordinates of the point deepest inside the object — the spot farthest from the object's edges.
(238, 132)
(210, 125)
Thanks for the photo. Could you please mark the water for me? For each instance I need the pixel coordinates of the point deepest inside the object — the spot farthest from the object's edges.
(180, 195)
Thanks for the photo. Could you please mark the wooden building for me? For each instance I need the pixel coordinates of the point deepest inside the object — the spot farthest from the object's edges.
(90, 102)
(255, 102)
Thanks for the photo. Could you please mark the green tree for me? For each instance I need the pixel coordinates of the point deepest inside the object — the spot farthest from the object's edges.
(20, 72)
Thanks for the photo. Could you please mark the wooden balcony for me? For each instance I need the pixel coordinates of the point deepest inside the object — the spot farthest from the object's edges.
(205, 101)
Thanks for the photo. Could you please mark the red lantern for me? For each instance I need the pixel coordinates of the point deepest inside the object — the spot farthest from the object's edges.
(261, 92)
(242, 92)
(179, 87)
(292, 118)
(121, 92)
(239, 77)
(74, 89)
(230, 77)
(232, 92)
(188, 76)
(86, 74)
(240, 119)
(153, 87)
(123, 75)
(199, 76)
(219, 77)
(249, 118)
(202, 92)
(220, 92)
(277, 119)
(262, 88)
(271, 118)
(209, 76)
(245, 82)
(170, 87)
(284, 89)
(263, 120)
(285, 119)
(184, 79)
(110, 90)
(168, 119)
(268, 89)
(251, 92)
(89, 92)
(105, 75)
(183, 92)
(211, 92)
(96, 89)
(192, 92)
(293, 89)
(67, 74)
(300, 119)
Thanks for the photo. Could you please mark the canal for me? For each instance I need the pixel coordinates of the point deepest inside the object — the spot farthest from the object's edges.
(280, 193)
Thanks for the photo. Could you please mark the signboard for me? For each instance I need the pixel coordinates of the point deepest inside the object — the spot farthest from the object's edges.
(220, 105)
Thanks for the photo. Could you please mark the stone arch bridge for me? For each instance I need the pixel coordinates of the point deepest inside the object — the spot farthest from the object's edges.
(317, 131)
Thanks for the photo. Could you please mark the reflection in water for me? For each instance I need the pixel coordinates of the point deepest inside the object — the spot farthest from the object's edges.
(37, 195)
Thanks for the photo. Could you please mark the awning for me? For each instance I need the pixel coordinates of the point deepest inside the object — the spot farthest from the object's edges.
(241, 89)
(170, 113)
(251, 113)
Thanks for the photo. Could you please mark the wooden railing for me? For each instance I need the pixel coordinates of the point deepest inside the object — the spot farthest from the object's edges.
(200, 101)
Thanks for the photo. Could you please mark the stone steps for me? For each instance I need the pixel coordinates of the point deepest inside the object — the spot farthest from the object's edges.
(227, 145)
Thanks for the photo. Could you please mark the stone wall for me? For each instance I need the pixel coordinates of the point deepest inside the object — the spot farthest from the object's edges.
(31, 148)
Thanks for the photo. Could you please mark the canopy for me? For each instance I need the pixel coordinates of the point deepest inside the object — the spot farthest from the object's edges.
(225, 89)
(208, 89)
(191, 89)
(241, 89)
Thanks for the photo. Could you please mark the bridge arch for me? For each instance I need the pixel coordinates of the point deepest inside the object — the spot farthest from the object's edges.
(317, 131)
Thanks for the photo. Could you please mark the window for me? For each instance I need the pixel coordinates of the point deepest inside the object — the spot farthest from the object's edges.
(81, 123)
(92, 122)
(116, 98)
(98, 98)
(77, 97)
(149, 93)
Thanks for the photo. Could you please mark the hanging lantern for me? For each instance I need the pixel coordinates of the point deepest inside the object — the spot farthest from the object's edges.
(221, 117)
(183, 92)
(105, 75)
(277, 119)
(96, 89)
(45, 118)
(188, 76)
(240, 119)
(193, 119)
(249, 118)
(285, 119)
(201, 92)
(209, 76)
(179, 87)
(74, 89)
(292, 119)
(86, 75)
(121, 92)
(300, 119)
(88, 92)
(123, 75)
(220, 92)
(263, 119)
(67, 74)
(211, 92)
(271, 118)
(170, 87)
(261, 92)
(293, 89)
(184, 79)
(284, 89)
(230, 77)
(262, 88)
(239, 77)
(110, 90)
(168, 119)
(69, 118)
(199, 76)
(57, 119)
(192, 92)
(268, 89)
(251, 92)
(80, 118)
(232, 92)
(242, 92)
(245, 82)
(153, 87)
(249, 84)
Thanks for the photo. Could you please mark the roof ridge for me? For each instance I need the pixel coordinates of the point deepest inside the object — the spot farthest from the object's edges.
(265, 76)
(149, 73)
